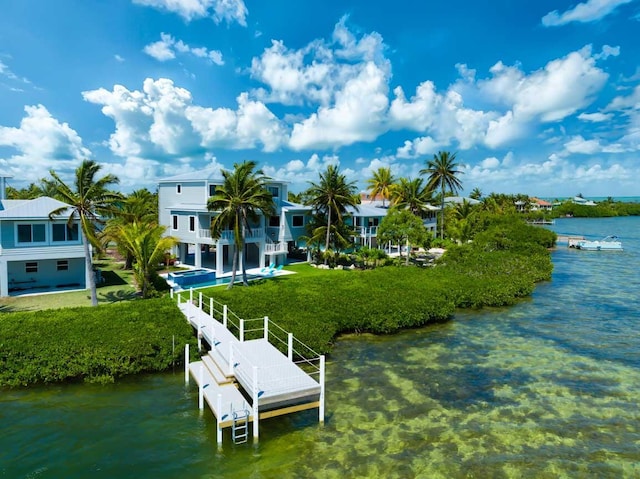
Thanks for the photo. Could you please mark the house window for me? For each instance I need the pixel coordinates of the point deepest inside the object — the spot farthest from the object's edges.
(192, 223)
(212, 190)
(274, 221)
(297, 221)
(62, 265)
(64, 232)
(174, 222)
(274, 190)
(30, 233)
(31, 267)
(179, 189)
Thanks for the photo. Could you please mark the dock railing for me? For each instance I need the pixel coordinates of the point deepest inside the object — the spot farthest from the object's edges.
(256, 328)
(311, 362)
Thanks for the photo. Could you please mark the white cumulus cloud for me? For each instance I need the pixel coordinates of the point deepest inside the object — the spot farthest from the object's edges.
(357, 114)
(161, 121)
(589, 11)
(229, 11)
(165, 49)
(595, 117)
(41, 142)
(317, 72)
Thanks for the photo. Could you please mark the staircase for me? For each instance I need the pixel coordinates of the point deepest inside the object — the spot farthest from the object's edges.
(221, 393)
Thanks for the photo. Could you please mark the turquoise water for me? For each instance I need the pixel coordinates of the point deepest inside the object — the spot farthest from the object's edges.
(218, 282)
(548, 388)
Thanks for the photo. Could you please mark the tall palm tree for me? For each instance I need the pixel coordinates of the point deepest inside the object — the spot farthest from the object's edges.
(412, 195)
(89, 201)
(239, 201)
(144, 241)
(140, 206)
(381, 184)
(331, 196)
(442, 173)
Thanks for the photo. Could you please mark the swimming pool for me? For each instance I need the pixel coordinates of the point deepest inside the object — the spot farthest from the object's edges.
(204, 283)
(191, 277)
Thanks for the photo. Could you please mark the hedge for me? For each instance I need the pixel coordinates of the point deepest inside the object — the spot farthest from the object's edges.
(93, 344)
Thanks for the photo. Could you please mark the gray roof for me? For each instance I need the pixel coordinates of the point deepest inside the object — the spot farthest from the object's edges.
(39, 208)
(460, 199)
(366, 210)
(207, 174)
(291, 206)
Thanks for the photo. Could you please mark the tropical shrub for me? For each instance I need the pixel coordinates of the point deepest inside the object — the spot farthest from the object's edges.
(92, 345)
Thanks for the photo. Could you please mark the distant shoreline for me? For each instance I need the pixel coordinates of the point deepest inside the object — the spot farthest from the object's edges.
(619, 199)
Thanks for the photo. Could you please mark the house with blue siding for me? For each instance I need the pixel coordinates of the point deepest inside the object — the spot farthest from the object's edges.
(182, 202)
(38, 254)
(366, 218)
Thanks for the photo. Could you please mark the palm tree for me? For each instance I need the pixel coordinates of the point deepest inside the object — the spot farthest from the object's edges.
(145, 243)
(476, 194)
(411, 195)
(331, 196)
(89, 201)
(381, 184)
(45, 187)
(239, 201)
(139, 206)
(442, 173)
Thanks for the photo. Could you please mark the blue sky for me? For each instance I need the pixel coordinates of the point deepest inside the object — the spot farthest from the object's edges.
(541, 98)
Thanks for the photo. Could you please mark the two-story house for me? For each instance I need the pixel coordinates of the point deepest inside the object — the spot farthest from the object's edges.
(367, 217)
(182, 201)
(38, 254)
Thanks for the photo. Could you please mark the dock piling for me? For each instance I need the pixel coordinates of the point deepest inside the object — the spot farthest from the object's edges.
(218, 428)
(186, 363)
(256, 413)
(321, 408)
(201, 389)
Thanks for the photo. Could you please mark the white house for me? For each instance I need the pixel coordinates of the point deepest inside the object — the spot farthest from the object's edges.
(182, 201)
(367, 217)
(38, 254)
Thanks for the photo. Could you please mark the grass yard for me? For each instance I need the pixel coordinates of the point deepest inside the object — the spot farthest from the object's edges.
(117, 287)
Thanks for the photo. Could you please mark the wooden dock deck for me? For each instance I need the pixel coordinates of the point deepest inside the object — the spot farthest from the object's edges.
(245, 380)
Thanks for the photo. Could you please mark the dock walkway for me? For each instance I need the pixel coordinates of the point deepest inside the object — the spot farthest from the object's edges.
(250, 379)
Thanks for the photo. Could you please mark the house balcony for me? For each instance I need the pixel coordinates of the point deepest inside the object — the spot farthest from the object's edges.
(368, 231)
(43, 252)
(275, 248)
(227, 236)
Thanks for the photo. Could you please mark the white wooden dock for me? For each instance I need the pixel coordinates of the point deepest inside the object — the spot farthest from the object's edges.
(244, 380)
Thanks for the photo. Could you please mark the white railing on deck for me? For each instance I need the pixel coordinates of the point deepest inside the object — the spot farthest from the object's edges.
(271, 247)
(263, 379)
(227, 235)
(247, 329)
(367, 231)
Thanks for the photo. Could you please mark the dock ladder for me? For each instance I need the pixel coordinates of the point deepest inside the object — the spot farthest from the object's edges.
(239, 429)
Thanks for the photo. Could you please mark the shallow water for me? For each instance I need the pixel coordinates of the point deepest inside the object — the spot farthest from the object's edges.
(548, 388)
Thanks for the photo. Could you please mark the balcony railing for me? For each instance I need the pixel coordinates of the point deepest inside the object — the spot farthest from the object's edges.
(368, 231)
(227, 235)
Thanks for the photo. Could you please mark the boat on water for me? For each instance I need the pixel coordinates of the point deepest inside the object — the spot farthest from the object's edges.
(609, 243)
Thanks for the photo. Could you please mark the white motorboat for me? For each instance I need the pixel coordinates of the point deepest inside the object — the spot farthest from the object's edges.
(609, 243)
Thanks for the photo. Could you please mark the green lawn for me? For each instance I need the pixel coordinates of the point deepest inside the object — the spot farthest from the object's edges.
(117, 287)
